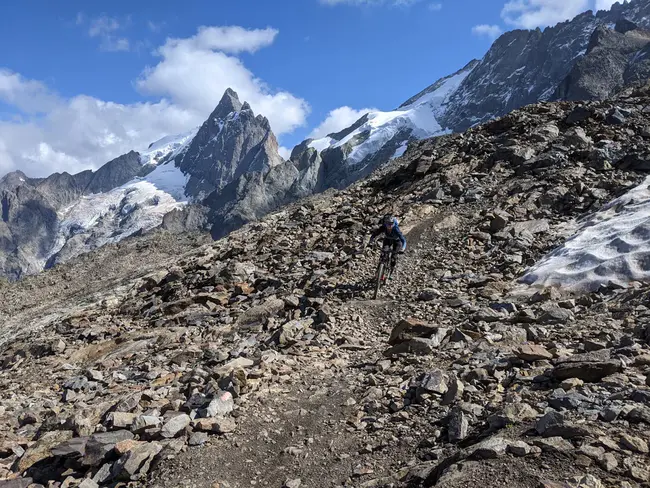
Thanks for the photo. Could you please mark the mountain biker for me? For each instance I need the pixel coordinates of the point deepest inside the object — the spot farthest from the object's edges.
(392, 235)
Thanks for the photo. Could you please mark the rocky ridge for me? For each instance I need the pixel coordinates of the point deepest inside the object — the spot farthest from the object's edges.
(590, 57)
(48, 221)
(259, 359)
(231, 163)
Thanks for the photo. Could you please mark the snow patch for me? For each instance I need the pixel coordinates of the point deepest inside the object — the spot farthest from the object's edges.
(399, 152)
(611, 246)
(419, 119)
(321, 144)
(112, 216)
(169, 145)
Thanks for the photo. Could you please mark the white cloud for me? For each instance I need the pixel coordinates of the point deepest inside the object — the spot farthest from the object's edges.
(155, 26)
(491, 31)
(337, 120)
(54, 133)
(435, 6)
(102, 26)
(232, 40)
(605, 4)
(285, 152)
(29, 96)
(529, 14)
(105, 29)
(194, 73)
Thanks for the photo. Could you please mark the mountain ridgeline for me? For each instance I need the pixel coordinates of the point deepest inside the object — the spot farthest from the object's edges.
(229, 172)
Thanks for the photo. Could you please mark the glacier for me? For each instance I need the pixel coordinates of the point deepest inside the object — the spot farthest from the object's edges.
(610, 247)
(419, 117)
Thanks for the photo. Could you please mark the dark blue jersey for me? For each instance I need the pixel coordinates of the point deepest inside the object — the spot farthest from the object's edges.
(394, 234)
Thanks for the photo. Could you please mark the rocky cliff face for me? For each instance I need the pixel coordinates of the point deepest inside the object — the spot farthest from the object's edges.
(49, 221)
(524, 67)
(614, 59)
(231, 142)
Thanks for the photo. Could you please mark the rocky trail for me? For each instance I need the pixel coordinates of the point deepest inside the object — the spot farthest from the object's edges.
(261, 359)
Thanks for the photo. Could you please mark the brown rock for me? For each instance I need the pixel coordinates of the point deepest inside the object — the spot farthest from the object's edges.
(532, 352)
(408, 329)
(42, 449)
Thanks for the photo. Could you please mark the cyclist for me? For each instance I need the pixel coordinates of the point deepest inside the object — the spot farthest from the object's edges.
(389, 227)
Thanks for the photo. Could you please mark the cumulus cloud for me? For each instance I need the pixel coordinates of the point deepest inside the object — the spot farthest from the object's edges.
(529, 14)
(194, 73)
(48, 132)
(490, 31)
(26, 95)
(337, 120)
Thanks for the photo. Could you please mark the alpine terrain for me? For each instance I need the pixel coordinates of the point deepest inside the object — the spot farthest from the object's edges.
(512, 347)
(230, 172)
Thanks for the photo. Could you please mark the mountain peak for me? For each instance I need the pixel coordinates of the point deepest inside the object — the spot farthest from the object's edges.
(229, 103)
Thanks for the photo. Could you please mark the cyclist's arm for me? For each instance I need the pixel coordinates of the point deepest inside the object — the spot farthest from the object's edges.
(402, 239)
(375, 233)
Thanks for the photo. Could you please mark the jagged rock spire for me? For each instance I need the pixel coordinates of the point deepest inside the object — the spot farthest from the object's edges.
(229, 103)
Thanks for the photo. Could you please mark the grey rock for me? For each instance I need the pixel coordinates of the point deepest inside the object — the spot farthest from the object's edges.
(16, 483)
(458, 425)
(434, 381)
(145, 422)
(175, 426)
(418, 346)
(547, 421)
(222, 405)
(198, 439)
(100, 445)
(135, 464)
(491, 448)
(88, 483)
(519, 448)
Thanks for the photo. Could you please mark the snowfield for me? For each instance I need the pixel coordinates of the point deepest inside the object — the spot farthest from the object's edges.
(420, 119)
(611, 247)
(169, 145)
(110, 217)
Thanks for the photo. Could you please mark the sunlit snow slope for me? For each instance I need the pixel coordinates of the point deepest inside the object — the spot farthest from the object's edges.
(166, 147)
(611, 246)
(140, 204)
(419, 118)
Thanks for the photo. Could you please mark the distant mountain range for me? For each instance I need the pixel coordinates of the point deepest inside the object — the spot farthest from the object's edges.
(228, 171)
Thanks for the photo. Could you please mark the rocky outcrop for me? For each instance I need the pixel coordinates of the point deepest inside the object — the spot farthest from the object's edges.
(233, 141)
(614, 59)
(526, 66)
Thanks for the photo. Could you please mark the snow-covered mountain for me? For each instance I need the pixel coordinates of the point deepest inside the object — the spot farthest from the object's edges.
(48, 221)
(166, 148)
(230, 171)
(418, 118)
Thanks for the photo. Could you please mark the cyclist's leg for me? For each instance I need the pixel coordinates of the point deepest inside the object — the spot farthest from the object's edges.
(395, 245)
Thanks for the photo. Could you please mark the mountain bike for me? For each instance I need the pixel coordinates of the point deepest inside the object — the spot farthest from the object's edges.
(384, 268)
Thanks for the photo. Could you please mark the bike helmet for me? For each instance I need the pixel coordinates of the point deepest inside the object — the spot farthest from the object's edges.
(388, 220)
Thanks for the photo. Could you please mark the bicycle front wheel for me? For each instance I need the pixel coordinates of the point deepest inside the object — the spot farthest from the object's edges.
(379, 278)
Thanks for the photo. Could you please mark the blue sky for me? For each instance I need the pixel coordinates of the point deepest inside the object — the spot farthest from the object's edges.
(82, 82)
